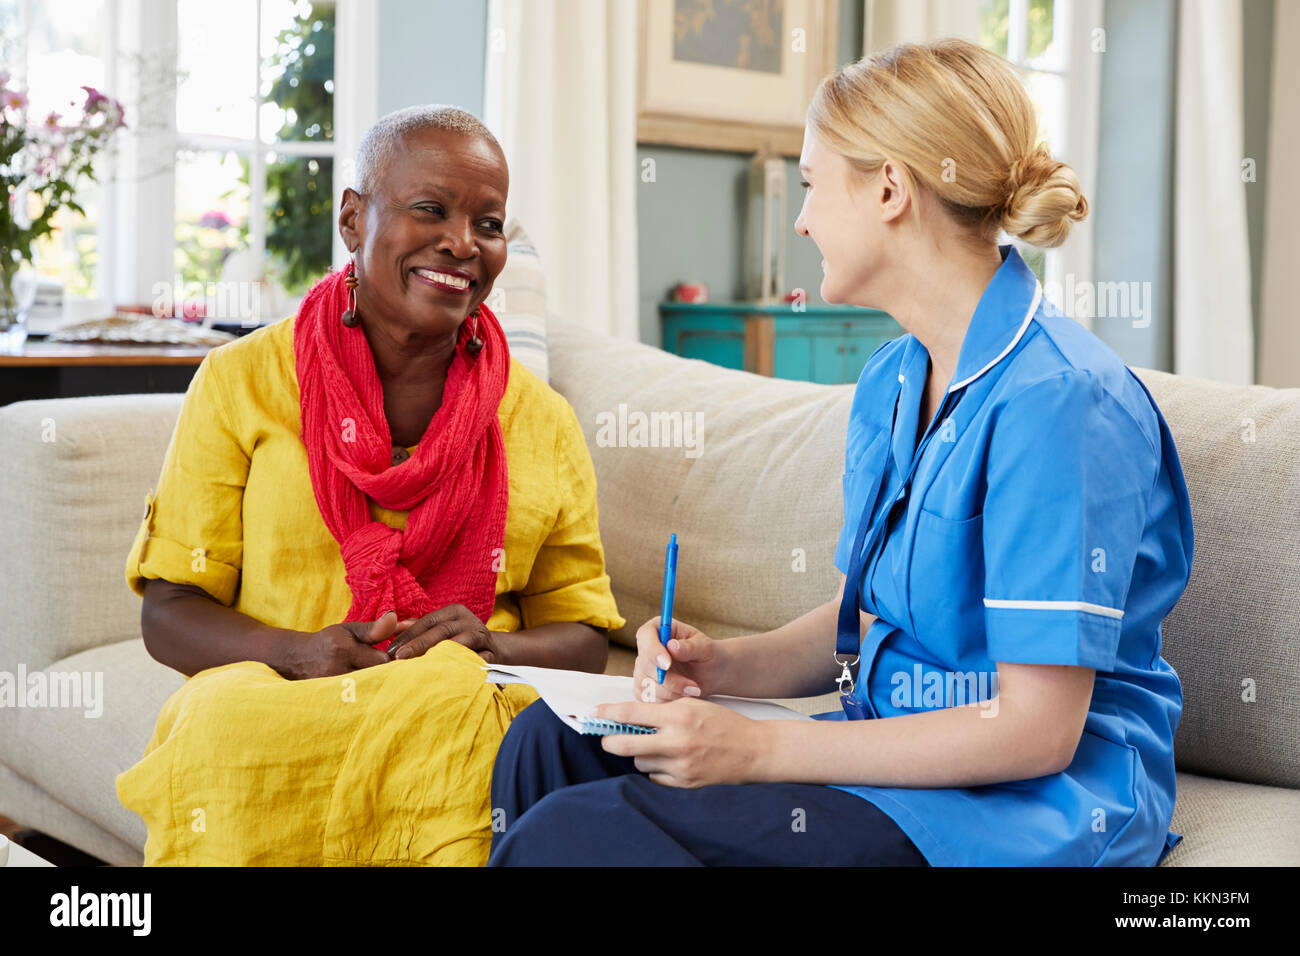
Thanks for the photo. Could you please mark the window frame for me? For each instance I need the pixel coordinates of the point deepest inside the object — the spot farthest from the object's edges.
(136, 195)
(1070, 264)
(256, 149)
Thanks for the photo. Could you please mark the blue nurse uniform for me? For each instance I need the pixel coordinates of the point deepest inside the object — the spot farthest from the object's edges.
(1047, 522)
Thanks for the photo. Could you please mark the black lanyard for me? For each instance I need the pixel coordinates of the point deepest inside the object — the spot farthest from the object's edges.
(848, 640)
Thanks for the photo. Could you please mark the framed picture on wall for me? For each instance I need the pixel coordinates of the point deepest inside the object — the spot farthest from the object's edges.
(732, 75)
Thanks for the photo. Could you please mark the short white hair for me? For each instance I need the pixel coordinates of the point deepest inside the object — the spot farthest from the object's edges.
(377, 145)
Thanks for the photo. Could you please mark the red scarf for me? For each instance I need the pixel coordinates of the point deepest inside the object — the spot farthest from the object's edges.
(454, 484)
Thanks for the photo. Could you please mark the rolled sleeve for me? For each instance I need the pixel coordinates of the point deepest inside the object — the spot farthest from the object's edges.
(1070, 475)
(192, 529)
(567, 582)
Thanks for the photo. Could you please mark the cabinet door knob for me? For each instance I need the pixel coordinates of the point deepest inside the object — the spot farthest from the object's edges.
(840, 350)
(853, 348)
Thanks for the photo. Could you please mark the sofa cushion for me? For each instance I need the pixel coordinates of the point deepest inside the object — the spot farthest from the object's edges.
(78, 757)
(755, 504)
(1234, 637)
(76, 474)
(1225, 823)
(757, 508)
(518, 300)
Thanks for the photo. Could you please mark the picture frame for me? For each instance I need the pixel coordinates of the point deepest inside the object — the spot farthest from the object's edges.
(690, 92)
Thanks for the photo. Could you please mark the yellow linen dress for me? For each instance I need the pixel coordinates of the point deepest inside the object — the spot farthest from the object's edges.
(389, 764)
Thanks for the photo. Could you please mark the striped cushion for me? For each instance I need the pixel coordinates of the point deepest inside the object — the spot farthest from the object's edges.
(518, 300)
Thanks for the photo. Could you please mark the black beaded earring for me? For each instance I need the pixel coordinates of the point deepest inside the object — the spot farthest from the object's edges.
(350, 317)
(475, 344)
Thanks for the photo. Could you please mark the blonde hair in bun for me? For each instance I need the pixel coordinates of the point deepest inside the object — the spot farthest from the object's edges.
(1043, 198)
(959, 121)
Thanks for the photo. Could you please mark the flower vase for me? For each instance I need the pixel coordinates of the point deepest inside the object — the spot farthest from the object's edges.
(17, 292)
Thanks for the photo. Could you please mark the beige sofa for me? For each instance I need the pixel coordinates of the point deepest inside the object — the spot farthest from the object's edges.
(762, 493)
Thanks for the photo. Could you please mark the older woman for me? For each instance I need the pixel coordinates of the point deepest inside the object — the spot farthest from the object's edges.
(360, 505)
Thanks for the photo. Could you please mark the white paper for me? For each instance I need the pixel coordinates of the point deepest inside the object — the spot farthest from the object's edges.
(572, 694)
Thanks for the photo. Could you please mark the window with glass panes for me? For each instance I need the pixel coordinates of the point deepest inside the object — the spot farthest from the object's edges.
(255, 152)
(52, 50)
(1032, 35)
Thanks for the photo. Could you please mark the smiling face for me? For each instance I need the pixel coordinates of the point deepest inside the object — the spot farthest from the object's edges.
(846, 215)
(434, 221)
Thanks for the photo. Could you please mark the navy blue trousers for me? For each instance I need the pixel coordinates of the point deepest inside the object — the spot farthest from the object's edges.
(568, 802)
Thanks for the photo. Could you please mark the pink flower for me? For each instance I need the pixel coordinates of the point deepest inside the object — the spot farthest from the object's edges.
(215, 219)
(52, 121)
(12, 99)
(93, 99)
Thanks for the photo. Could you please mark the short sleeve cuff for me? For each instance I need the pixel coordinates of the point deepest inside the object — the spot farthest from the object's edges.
(1052, 635)
(169, 560)
(587, 602)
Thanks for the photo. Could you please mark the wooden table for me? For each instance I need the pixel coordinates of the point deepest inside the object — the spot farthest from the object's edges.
(69, 369)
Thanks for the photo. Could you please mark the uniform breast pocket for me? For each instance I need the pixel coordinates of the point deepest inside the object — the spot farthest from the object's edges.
(946, 585)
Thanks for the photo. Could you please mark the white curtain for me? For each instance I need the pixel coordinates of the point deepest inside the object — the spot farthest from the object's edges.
(887, 22)
(560, 95)
(1213, 330)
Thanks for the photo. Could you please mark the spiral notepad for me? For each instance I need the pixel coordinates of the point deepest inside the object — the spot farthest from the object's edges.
(568, 693)
(603, 728)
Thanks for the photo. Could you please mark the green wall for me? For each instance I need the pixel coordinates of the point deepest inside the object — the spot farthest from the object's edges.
(691, 219)
(1133, 206)
(1133, 225)
(431, 51)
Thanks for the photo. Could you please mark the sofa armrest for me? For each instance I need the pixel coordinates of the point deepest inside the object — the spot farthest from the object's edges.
(76, 474)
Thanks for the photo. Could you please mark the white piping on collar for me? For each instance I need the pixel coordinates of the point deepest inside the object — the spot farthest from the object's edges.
(1033, 307)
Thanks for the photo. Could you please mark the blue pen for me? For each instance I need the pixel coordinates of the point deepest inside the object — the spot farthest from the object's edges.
(666, 612)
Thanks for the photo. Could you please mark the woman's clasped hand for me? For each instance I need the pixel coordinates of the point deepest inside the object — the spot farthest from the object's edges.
(350, 645)
(455, 622)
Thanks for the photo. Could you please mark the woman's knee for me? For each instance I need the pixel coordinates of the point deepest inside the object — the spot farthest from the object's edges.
(533, 740)
(536, 728)
(551, 829)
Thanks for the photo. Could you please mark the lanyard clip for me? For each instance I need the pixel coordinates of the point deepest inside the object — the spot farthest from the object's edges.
(846, 677)
(853, 709)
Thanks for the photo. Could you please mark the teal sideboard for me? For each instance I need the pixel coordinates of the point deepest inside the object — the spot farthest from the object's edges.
(825, 343)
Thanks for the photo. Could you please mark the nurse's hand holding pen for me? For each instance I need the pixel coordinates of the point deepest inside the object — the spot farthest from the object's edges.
(698, 743)
(695, 668)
